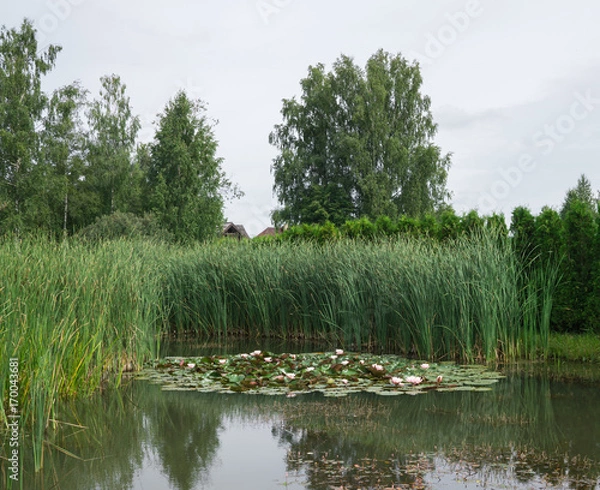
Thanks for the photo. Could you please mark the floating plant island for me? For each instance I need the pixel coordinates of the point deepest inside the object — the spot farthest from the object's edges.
(336, 373)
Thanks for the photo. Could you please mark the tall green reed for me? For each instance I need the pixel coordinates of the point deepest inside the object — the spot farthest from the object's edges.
(464, 299)
(75, 316)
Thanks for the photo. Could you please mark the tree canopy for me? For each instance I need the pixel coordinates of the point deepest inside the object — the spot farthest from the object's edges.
(358, 143)
(67, 162)
(184, 176)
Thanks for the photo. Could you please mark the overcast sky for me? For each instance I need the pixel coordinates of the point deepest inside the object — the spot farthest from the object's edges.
(513, 83)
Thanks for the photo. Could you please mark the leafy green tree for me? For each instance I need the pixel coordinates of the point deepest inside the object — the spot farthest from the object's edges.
(522, 227)
(22, 103)
(594, 300)
(580, 240)
(113, 131)
(472, 223)
(358, 144)
(63, 155)
(583, 193)
(449, 225)
(549, 236)
(497, 223)
(184, 176)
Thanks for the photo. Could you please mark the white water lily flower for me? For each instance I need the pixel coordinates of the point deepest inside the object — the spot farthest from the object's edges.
(309, 369)
(396, 381)
(344, 381)
(268, 359)
(290, 375)
(256, 353)
(424, 366)
(377, 367)
(244, 356)
(362, 361)
(191, 366)
(222, 361)
(339, 352)
(345, 363)
(293, 356)
(414, 380)
(334, 357)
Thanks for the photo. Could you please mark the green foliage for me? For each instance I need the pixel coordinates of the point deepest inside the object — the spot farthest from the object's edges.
(65, 162)
(446, 226)
(63, 155)
(580, 240)
(358, 144)
(583, 347)
(113, 131)
(522, 227)
(184, 174)
(21, 105)
(582, 193)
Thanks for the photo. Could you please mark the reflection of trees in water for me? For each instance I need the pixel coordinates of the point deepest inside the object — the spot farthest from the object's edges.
(122, 428)
(516, 432)
(522, 430)
(119, 429)
(333, 462)
(183, 433)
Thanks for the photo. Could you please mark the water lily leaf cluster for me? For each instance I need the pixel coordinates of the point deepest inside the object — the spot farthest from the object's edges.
(331, 373)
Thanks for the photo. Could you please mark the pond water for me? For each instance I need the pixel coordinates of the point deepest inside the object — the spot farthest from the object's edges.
(532, 430)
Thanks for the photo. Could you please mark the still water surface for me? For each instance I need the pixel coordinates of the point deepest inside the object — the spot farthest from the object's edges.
(530, 431)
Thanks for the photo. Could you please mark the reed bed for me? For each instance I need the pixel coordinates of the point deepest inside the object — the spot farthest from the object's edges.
(75, 317)
(466, 299)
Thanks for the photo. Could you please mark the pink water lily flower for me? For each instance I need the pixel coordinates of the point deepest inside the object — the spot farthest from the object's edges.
(424, 366)
(256, 353)
(414, 380)
(191, 366)
(377, 367)
(290, 375)
(439, 379)
(396, 381)
(244, 356)
(339, 352)
(344, 381)
(222, 361)
(268, 359)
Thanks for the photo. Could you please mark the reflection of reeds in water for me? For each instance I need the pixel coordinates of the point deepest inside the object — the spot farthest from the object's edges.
(362, 438)
(509, 431)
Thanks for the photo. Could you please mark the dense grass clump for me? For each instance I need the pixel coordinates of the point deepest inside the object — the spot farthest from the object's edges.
(466, 299)
(74, 317)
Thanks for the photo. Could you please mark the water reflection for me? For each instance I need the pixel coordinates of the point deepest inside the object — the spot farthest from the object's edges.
(526, 433)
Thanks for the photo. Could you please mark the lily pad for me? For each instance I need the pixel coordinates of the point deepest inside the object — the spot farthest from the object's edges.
(291, 374)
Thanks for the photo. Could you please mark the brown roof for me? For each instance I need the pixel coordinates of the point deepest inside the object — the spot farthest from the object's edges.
(270, 231)
(231, 229)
